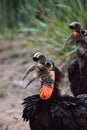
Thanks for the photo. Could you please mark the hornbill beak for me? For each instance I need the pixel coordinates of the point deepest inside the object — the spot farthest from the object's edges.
(43, 71)
(31, 68)
(39, 65)
(76, 35)
(37, 75)
(72, 38)
(38, 58)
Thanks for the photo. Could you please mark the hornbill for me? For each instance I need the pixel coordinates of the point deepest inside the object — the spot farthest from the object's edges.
(77, 69)
(50, 110)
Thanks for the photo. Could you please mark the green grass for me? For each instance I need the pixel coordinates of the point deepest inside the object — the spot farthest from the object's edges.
(47, 21)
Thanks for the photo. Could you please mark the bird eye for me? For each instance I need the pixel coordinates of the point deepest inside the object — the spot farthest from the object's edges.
(48, 64)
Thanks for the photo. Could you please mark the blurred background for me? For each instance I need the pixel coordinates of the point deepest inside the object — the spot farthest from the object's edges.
(27, 27)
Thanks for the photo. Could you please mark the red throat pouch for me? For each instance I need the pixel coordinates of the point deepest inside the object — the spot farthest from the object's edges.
(46, 91)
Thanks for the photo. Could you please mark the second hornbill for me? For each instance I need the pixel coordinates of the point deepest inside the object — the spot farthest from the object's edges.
(49, 110)
(77, 69)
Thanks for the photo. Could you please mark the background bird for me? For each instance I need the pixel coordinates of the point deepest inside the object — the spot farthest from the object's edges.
(56, 112)
(77, 69)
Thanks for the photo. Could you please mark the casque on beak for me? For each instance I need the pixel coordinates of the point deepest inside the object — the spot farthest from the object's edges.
(75, 26)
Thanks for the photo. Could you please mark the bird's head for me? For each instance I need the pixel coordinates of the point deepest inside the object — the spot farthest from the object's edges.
(50, 76)
(78, 34)
(42, 67)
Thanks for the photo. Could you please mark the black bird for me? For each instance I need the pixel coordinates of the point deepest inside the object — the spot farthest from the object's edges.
(56, 112)
(77, 69)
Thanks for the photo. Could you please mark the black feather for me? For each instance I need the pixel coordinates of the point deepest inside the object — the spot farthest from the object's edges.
(77, 69)
(58, 112)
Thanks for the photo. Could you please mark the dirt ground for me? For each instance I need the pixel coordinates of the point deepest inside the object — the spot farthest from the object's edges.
(15, 58)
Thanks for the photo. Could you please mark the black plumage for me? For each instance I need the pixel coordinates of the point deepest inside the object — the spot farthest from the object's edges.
(77, 69)
(58, 112)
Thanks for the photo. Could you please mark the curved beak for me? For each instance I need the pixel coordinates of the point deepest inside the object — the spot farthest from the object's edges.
(41, 72)
(30, 69)
(69, 40)
(40, 61)
(36, 76)
(72, 38)
(40, 66)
